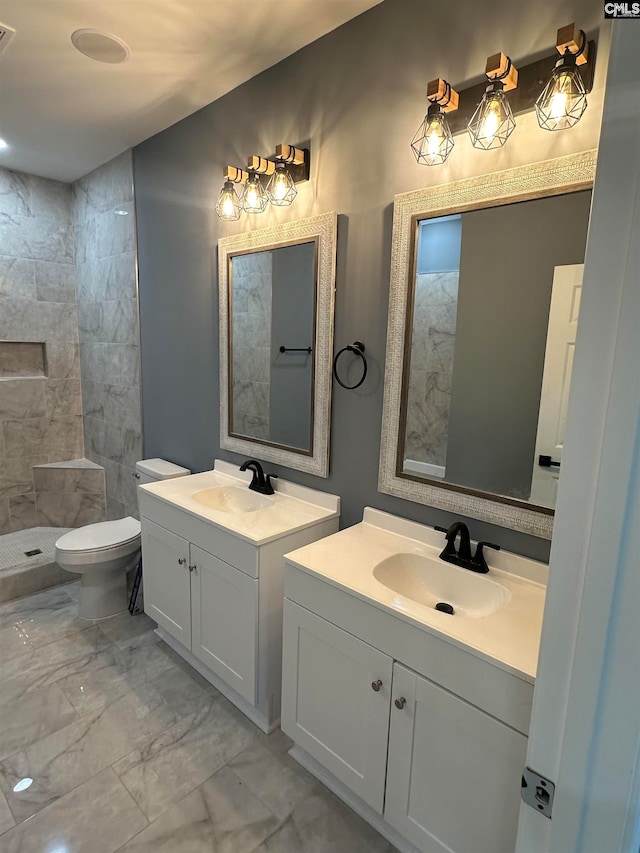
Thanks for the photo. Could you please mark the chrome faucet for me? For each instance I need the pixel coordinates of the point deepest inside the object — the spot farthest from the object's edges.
(260, 482)
(462, 556)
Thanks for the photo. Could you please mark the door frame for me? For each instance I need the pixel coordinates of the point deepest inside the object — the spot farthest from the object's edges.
(585, 725)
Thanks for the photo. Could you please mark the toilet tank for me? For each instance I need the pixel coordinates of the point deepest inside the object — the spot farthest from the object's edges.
(153, 470)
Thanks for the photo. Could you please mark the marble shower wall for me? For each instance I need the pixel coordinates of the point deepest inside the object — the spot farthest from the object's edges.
(40, 403)
(104, 221)
(251, 343)
(431, 372)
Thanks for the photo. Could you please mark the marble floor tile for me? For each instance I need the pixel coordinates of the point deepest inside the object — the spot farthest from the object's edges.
(13, 643)
(51, 625)
(72, 755)
(97, 817)
(30, 718)
(183, 757)
(279, 781)
(221, 816)
(184, 690)
(24, 608)
(6, 818)
(43, 667)
(124, 627)
(323, 824)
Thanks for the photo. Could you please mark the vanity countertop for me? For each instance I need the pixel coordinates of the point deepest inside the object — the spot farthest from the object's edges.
(509, 638)
(292, 507)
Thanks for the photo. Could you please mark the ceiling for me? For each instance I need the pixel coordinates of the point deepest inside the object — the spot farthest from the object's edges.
(63, 114)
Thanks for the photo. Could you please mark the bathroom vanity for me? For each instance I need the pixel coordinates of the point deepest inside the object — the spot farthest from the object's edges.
(213, 568)
(417, 718)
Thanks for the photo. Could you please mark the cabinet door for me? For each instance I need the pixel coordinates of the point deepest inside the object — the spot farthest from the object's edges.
(224, 606)
(453, 775)
(165, 568)
(329, 706)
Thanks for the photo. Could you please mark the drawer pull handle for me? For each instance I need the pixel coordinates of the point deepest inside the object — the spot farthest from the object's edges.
(400, 703)
(182, 561)
(376, 685)
(192, 568)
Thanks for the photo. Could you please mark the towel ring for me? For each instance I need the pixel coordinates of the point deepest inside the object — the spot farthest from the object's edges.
(356, 347)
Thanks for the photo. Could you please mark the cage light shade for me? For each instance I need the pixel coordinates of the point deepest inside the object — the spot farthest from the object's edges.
(433, 142)
(564, 99)
(281, 188)
(228, 204)
(492, 122)
(254, 197)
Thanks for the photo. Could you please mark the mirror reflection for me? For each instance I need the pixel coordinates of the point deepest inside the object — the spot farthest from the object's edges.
(492, 318)
(272, 299)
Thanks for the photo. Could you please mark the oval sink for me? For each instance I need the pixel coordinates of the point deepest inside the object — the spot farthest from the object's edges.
(231, 499)
(430, 581)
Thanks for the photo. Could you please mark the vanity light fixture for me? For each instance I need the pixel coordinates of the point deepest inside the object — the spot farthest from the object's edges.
(563, 100)
(493, 123)
(228, 206)
(433, 141)
(265, 181)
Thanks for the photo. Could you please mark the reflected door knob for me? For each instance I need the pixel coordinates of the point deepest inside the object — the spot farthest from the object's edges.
(376, 685)
(400, 703)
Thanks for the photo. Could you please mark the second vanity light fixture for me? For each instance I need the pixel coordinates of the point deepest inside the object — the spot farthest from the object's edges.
(263, 182)
(490, 122)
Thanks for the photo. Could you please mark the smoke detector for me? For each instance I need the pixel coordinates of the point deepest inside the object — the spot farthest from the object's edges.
(6, 34)
(103, 47)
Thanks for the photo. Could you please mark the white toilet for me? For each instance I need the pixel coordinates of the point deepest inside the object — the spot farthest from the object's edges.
(103, 553)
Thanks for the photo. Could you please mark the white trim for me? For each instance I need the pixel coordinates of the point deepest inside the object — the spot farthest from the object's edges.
(551, 177)
(585, 724)
(426, 468)
(324, 228)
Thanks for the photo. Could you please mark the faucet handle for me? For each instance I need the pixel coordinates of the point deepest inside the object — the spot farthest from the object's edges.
(268, 486)
(478, 562)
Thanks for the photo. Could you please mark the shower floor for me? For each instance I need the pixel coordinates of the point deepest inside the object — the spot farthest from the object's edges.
(21, 574)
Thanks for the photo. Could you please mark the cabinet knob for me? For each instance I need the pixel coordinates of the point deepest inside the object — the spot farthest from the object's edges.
(135, 474)
(192, 568)
(376, 685)
(182, 561)
(400, 703)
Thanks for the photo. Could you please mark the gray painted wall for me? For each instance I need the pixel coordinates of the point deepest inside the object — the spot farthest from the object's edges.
(292, 316)
(356, 98)
(503, 309)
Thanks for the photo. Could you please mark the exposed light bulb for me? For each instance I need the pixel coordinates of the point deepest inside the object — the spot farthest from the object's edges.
(228, 204)
(433, 142)
(281, 188)
(564, 99)
(254, 197)
(492, 122)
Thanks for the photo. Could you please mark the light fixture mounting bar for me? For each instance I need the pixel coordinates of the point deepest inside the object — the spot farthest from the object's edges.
(440, 92)
(237, 176)
(531, 79)
(290, 154)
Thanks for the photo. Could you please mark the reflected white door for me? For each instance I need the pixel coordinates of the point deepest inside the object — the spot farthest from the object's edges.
(556, 380)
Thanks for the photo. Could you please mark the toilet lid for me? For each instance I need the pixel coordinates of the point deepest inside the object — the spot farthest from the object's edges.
(96, 537)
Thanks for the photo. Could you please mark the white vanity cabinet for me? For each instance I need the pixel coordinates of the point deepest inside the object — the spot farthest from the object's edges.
(416, 731)
(216, 592)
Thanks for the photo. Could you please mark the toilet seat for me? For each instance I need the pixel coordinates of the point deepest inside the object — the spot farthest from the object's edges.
(99, 543)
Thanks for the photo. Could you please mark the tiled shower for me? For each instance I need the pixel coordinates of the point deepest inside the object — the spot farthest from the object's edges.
(70, 423)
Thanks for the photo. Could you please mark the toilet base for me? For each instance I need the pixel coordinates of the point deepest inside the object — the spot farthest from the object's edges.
(102, 594)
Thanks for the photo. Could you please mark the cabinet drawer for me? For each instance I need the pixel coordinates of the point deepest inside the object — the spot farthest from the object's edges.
(224, 608)
(329, 706)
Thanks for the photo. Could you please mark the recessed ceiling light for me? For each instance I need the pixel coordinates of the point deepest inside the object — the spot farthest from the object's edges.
(103, 47)
(3, 144)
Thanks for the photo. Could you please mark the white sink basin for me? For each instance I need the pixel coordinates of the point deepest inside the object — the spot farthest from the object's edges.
(431, 581)
(231, 499)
